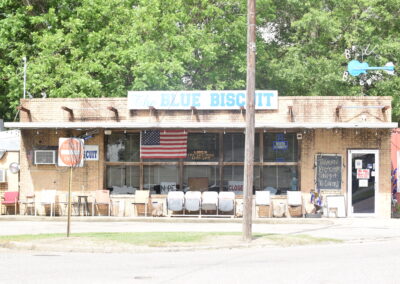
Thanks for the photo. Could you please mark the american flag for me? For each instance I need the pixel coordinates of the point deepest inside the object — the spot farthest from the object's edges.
(164, 144)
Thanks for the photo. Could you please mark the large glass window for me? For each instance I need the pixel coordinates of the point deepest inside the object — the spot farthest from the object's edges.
(121, 147)
(122, 179)
(280, 147)
(280, 179)
(198, 177)
(203, 147)
(234, 177)
(234, 147)
(160, 178)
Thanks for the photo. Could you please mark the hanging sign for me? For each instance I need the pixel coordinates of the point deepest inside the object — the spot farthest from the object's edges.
(199, 99)
(91, 153)
(70, 152)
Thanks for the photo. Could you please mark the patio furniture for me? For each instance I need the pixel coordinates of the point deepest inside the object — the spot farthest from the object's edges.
(295, 203)
(175, 201)
(209, 201)
(142, 198)
(102, 197)
(28, 203)
(10, 200)
(193, 201)
(263, 203)
(226, 202)
(47, 197)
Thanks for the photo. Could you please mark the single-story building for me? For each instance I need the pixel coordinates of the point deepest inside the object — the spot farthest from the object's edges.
(332, 145)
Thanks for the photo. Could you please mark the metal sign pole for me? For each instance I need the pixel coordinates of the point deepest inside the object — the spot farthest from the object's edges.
(69, 203)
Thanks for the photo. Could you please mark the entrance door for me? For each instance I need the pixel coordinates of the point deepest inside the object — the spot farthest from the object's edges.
(363, 180)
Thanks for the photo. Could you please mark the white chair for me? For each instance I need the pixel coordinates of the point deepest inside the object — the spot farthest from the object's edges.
(226, 202)
(47, 197)
(175, 201)
(263, 203)
(295, 203)
(193, 201)
(209, 201)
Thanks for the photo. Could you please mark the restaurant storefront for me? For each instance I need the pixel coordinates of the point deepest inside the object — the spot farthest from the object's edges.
(333, 145)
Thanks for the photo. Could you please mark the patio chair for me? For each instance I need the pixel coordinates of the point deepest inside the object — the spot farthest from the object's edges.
(226, 202)
(295, 203)
(28, 203)
(102, 197)
(142, 198)
(62, 201)
(10, 200)
(175, 201)
(193, 201)
(263, 203)
(47, 197)
(209, 201)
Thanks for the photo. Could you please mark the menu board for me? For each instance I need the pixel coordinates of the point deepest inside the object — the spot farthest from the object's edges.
(328, 171)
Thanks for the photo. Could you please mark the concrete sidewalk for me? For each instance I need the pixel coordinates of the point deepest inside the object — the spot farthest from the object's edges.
(347, 229)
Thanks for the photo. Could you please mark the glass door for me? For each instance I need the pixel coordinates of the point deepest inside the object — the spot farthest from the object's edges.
(363, 180)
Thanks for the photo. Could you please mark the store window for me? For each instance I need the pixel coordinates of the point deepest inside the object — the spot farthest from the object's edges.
(234, 147)
(122, 179)
(280, 147)
(280, 179)
(234, 177)
(201, 177)
(203, 147)
(121, 147)
(161, 178)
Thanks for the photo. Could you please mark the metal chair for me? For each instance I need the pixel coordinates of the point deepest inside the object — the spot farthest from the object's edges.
(10, 200)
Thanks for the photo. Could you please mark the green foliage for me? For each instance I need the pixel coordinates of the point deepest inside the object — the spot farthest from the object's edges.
(96, 48)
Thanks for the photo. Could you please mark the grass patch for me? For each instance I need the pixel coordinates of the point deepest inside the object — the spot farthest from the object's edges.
(164, 239)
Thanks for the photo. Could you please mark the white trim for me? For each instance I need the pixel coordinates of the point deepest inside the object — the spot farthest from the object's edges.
(198, 125)
(349, 183)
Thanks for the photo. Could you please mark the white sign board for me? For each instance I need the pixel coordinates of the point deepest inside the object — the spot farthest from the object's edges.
(70, 152)
(91, 153)
(200, 99)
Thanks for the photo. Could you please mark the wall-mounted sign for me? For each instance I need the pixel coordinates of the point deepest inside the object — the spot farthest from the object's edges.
(199, 99)
(280, 145)
(91, 153)
(363, 173)
(358, 164)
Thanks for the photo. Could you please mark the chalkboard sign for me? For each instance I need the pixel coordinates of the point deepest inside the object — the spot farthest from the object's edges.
(329, 171)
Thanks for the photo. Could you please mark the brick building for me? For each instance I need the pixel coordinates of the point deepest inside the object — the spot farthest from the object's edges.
(338, 145)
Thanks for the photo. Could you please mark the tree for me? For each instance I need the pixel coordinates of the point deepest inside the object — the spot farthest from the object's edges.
(96, 48)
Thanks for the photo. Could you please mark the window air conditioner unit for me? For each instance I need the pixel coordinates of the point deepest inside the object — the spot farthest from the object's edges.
(3, 175)
(45, 157)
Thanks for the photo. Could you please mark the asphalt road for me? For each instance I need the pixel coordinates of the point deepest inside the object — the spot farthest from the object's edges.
(370, 262)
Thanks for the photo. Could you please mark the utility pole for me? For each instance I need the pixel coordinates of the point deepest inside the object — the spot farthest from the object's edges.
(250, 121)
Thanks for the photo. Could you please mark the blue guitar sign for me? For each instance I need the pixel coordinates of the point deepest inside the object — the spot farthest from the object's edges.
(356, 68)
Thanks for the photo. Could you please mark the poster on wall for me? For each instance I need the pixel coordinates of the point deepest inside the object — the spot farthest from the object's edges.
(358, 164)
(328, 172)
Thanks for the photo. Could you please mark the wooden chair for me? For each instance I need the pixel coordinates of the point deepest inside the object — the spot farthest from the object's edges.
(142, 197)
(295, 203)
(102, 197)
(28, 203)
(10, 200)
(263, 203)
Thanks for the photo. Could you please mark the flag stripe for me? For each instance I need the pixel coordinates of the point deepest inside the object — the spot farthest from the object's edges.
(163, 144)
